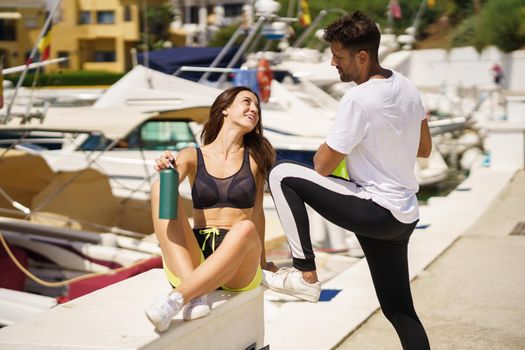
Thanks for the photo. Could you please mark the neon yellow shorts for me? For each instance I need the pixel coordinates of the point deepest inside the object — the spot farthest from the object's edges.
(175, 281)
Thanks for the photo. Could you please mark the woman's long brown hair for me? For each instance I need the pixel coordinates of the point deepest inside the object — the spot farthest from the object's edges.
(258, 146)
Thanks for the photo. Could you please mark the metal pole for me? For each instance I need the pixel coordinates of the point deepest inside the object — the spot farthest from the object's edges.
(5, 120)
(243, 47)
(419, 13)
(291, 6)
(314, 24)
(221, 54)
(146, 38)
(17, 69)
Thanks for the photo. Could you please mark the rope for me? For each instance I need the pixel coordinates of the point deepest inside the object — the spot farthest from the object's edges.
(65, 282)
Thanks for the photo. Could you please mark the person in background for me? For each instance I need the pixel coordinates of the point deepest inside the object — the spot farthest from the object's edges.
(225, 248)
(497, 74)
(380, 128)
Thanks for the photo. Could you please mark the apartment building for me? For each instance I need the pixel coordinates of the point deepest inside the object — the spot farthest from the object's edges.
(20, 24)
(93, 34)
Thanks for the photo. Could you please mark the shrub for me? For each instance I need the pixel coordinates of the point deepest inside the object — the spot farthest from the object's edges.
(501, 24)
(465, 33)
(69, 78)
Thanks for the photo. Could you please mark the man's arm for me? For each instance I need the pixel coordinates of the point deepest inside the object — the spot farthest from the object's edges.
(425, 141)
(326, 159)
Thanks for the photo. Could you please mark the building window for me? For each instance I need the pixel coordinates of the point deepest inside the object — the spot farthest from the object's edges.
(194, 14)
(127, 13)
(84, 17)
(232, 10)
(63, 64)
(105, 17)
(7, 30)
(105, 56)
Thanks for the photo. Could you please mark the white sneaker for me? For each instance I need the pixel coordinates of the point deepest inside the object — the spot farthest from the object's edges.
(196, 308)
(289, 280)
(162, 312)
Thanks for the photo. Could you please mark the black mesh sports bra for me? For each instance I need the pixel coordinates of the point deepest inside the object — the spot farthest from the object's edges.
(235, 191)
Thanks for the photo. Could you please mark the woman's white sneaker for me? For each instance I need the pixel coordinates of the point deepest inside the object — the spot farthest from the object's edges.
(196, 308)
(289, 280)
(162, 311)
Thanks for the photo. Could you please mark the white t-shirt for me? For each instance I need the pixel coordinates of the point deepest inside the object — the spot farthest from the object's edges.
(378, 125)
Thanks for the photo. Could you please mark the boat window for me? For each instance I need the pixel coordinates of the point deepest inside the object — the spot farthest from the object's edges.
(162, 134)
(95, 142)
(35, 139)
(152, 135)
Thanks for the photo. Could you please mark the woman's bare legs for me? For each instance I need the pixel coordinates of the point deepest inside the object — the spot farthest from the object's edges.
(177, 242)
(233, 264)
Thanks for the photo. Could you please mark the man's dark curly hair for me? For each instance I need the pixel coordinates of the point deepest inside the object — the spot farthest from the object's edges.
(355, 32)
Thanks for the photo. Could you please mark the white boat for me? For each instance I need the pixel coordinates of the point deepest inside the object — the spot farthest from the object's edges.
(16, 305)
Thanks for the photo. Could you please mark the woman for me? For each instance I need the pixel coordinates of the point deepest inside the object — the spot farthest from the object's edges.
(226, 246)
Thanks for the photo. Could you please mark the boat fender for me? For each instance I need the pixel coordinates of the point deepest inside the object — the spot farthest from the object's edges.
(264, 79)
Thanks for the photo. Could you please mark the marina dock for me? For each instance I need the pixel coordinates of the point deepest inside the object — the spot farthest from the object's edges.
(80, 135)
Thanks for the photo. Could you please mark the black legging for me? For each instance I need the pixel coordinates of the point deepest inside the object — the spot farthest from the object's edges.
(383, 238)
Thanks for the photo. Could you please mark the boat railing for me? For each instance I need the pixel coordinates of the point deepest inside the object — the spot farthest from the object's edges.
(253, 33)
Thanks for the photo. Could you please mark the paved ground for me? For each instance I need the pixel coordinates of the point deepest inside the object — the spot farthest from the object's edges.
(472, 296)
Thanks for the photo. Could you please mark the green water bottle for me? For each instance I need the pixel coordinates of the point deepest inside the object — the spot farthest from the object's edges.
(169, 193)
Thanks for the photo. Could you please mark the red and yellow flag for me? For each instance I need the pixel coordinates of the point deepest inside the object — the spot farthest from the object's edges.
(44, 46)
(304, 15)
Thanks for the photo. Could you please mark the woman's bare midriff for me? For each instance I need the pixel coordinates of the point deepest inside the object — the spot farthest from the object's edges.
(220, 217)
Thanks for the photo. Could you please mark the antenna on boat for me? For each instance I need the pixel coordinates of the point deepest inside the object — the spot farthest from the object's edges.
(146, 38)
(49, 19)
(315, 23)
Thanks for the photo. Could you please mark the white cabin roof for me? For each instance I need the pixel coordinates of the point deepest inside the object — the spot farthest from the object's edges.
(113, 122)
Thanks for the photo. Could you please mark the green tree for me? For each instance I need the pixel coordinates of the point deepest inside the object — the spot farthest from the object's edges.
(158, 19)
(501, 23)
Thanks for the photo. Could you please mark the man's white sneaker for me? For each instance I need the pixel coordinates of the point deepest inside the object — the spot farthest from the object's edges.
(196, 308)
(162, 311)
(289, 280)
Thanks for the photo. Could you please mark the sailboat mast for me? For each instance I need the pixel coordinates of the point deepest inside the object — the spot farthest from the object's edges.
(30, 58)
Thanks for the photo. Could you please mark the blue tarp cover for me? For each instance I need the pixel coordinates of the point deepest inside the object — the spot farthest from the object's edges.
(170, 60)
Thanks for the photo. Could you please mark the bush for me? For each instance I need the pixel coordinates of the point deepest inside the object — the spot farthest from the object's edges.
(501, 24)
(223, 35)
(465, 33)
(69, 78)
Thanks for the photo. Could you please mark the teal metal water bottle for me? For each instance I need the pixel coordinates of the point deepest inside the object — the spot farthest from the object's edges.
(169, 193)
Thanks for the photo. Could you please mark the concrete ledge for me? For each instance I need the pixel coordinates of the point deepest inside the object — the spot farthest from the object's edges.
(113, 318)
(506, 143)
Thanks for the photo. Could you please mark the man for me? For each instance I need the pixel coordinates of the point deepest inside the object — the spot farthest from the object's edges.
(380, 128)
